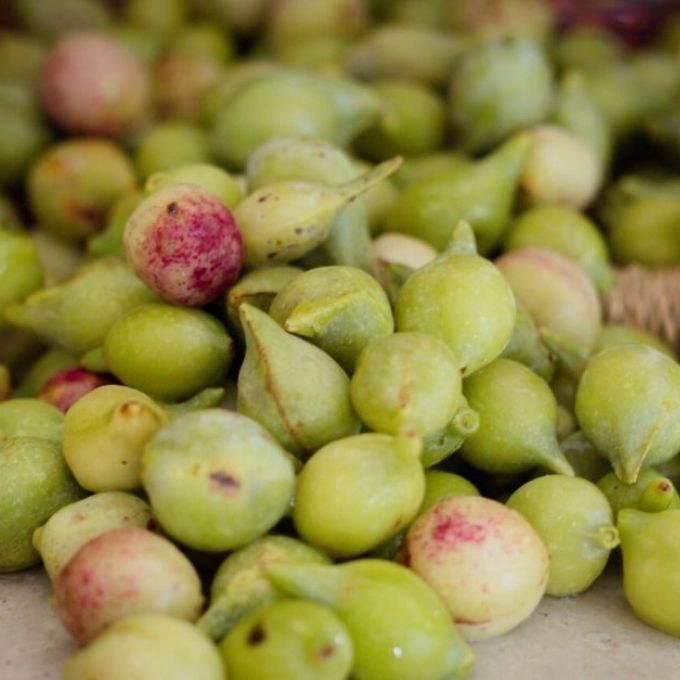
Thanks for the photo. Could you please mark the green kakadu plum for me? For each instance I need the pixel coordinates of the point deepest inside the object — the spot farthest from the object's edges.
(43, 368)
(160, 17)
(20, 269)
(568, 232)
(561, 299)
(28, 417)
(288, 640)
(202, 250)
(583, 457)
(258, 288)
(73, 184)
(573, 518)
(387, 52)
(517, 421)
(497, 88)
(109, 241)
(205, 39)
(440, 445)
(652, 492)
(385, 607)
(283, 221)
(271, 106)
(612, 335)
(628, 406)
(428, 165)
(91, 85)
(322, 54)
(411, 121)
(356, 492)
(462, 299)
(147, 644)
(406, 384)
(142, 347)
(483, 559)
(526, 346)
(582, 47)
(481, 192)
(210, 178)
(73, 525)
(105, 432)
(216, 480)
(577, 111)
(121, 572)
(36, 483)
(293, 21)
(169, 144)
(561, 169)
(274, 387)
(77, 314)
(651, 561)
(181, 81)
(240, 585)
(340, 309)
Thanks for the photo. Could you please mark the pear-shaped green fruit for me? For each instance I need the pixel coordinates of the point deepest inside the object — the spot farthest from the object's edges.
(517, 420)
(573, 518)
(652, 492)
(339, 309)
(36, 483)
(147, 644)
(428, 165)
(354, 493)
(559, 296)
(105, 432)
(77, 314)
(526, 346)
(407, 384)
(499, 87)
(288, 640)
(143, 346)
(438, 446)
(20, 270)
(28, 417)
(568, 232)
(60, 538)
(482, 192)
(240, 584)
(651, 561)
(461, 298)
(385, 608)
(216, 479)
(274, 387)
(283, 221)
(484, 560)
(628, 406)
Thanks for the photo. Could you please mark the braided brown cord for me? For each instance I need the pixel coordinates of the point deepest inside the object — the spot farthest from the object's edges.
(648, 299)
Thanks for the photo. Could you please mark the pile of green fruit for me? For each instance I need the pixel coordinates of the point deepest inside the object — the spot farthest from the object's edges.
(303, 367)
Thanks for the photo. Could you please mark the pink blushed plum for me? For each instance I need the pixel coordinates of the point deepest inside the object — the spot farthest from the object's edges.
(123, 572)
(92, 85)
(184, 243)
(65, 387)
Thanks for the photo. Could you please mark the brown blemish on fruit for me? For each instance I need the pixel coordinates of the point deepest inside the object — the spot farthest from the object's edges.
(257, 635)
(225, 480)
(326, 651)
(172, 208)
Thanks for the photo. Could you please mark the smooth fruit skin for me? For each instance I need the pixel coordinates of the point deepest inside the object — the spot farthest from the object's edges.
(217, 480)
(628, 406)
(122, 572)
(91, 85)
(574, 520)
(145, 646)
(184, 243)
(483, 559)
(288, 640)
(28, 417)
(651, 564)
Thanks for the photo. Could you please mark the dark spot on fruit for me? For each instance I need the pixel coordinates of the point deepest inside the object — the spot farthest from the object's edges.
(270, 256)
(664, 486)
(263, 198)
(298, 230)
(225, 480)
(257, 635)
(172, 208)
(326, 651)
(151, 525)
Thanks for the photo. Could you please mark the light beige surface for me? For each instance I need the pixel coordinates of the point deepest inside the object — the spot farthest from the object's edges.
(593, 636)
